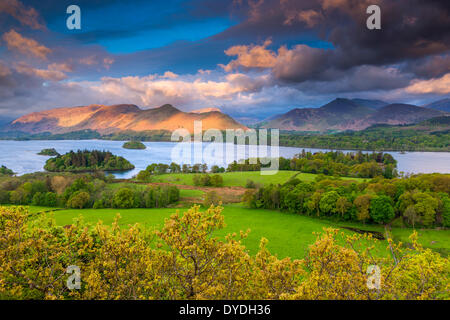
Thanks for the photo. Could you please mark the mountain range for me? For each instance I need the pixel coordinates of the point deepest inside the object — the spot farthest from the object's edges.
(122, 117)
(338, 115)
(443, 105)
(345, 114)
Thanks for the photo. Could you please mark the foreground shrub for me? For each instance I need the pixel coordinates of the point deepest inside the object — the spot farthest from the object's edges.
(186, 261)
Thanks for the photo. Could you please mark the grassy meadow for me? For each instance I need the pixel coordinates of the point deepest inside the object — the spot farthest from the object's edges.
(236, 179)
(289, 234)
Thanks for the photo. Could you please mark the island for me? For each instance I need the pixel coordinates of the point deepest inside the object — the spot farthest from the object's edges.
(134, 144)
(87, 160)
(48, 152)
(5, 171)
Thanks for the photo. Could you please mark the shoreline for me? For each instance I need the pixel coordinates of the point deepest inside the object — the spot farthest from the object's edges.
(281, 145)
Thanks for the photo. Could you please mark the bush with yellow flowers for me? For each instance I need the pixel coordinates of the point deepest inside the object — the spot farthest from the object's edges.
(185, 260)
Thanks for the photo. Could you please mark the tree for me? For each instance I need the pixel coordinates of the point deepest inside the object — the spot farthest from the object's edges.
(343, 205)
(212, 198)
(174, 168)
(78, 200)
(124, 198)
(313, 202)
(411, 215)
(328, 201)
(381, 210)
(362, 204)
(445, 209)
(425, 206)
(216, 180)
(144, 176)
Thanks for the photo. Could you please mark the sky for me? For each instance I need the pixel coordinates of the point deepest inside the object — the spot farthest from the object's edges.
(250, 58)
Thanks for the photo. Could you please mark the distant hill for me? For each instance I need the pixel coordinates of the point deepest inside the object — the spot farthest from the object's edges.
(399, 113)
(344, 114)
(443, 105)
(338, 114)
(375, 104)
(115, 118)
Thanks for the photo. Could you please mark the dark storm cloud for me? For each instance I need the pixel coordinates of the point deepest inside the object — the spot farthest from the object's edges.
(411, 29)
(309, 52)
(430, 67)
(358, 79)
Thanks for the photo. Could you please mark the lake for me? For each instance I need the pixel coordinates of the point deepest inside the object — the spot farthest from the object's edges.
(21, 156)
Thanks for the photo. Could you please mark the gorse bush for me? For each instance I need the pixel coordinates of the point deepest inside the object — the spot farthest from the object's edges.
(184, 260)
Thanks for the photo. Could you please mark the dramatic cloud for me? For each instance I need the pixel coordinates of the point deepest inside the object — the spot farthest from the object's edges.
(26, 16)
(299, 64)
(192, 91)
(440, 86)
(252, 56)
(264, 57)
(24, 45)
(359, 79)
(430, 67)
(411, 29)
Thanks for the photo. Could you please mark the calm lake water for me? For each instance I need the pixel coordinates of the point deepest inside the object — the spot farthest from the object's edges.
(21, 156)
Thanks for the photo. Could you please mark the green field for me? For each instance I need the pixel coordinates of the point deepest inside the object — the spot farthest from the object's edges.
(289, 234)
(231, 179)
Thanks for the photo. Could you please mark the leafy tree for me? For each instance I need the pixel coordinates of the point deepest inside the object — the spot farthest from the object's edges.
(313, 202)
(4, 197)
(124, 198)
(216, 180)
(411, 215)
(174, 168)
(328, 201)
(144, 176)
(78, 200)
(446, 210)
(425, 206)
(362, 204)
(212, 198)
(343, 205)
(381, 210)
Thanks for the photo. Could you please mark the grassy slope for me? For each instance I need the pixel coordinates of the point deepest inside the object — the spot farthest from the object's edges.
(288, 234)
(240, 178)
